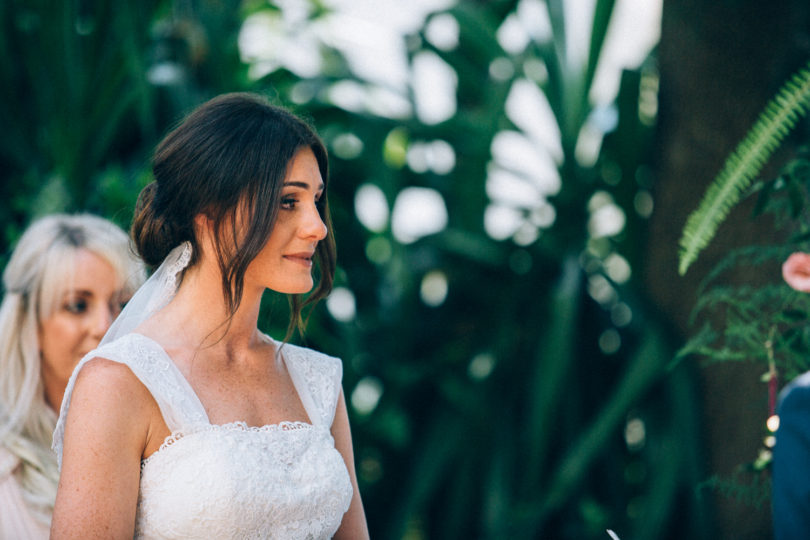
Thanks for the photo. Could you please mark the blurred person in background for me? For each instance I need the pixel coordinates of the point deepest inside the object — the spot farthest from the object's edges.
(790, 495)
(790, 490)
(65, 282)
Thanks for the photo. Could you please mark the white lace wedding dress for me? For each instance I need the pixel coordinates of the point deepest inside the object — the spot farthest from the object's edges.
(282, 481)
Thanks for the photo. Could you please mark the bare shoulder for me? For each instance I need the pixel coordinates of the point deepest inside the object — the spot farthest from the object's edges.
(108, 392)
(106, 431)
(114, 376)
(108, 379)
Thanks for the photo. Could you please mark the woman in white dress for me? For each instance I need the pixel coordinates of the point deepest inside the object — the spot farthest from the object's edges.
(189, 422)
(63, 285)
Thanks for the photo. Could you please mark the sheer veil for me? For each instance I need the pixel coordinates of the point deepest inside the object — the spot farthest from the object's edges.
(152, 296)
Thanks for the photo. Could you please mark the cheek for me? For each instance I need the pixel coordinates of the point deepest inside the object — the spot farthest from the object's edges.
(272, 251)
(59, 340)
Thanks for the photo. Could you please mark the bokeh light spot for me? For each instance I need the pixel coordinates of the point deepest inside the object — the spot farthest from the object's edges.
(434, 287)
(610, 341)
(481, 366)
(418, 212)
(366, 395)
(341, 304)
(371, 208)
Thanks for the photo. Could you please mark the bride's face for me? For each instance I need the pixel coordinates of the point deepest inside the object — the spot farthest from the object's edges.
(285, 262)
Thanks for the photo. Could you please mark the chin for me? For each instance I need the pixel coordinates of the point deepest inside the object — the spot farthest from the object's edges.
(302, 289)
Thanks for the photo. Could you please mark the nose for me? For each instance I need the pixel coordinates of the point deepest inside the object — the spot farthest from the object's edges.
(313, 226)
(102, 319)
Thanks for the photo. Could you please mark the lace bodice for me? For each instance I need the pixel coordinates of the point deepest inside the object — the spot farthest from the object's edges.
(284, 481)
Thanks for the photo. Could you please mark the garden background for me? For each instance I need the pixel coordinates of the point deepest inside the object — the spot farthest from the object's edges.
(508, 306)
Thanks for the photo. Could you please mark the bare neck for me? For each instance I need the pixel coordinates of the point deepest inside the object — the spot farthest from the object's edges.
(53, 387)
(197, 317)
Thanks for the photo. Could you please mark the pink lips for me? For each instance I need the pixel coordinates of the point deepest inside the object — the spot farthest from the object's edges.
(303, 258)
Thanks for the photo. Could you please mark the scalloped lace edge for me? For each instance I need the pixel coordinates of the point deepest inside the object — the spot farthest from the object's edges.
(238, 425)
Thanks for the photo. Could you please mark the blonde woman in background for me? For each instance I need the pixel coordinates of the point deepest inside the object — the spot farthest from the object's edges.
(66, 281)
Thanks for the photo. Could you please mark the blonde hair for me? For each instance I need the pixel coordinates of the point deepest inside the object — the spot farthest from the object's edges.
(37, 275)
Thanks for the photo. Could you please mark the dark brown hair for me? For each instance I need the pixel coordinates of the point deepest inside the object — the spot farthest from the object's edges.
(231, 153)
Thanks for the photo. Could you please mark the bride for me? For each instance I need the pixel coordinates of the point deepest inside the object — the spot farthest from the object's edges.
(188, 421)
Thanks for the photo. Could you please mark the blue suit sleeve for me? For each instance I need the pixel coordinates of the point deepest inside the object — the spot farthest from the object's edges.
(791, 463)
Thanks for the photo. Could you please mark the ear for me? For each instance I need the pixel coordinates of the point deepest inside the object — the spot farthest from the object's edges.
(204, 231)
(203, 225)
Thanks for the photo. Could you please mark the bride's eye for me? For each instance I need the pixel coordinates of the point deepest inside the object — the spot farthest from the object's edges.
(288, 203)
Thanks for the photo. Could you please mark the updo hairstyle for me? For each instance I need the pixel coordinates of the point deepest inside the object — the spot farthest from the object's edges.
(227, 160)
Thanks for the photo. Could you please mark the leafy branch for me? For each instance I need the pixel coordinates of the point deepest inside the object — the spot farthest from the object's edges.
(744, 164)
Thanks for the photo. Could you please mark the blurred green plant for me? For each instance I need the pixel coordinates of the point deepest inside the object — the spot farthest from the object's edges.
(76, 95)
(764, 321)
(90, 87)
(532, 401)
(529, 399)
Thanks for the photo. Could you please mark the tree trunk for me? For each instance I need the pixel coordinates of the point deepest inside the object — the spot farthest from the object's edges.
(720, 62)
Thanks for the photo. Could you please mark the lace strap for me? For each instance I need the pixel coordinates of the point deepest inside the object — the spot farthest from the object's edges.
(317, 378)
(177, 401)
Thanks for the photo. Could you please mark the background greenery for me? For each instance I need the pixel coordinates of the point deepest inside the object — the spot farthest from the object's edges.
(534, 400)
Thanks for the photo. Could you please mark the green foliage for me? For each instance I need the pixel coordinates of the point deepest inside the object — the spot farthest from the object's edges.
(764, 322)
(533, 401)
(744, 164)
(750, 321)
(748, 486)
(81, 114)
(500, 415)
(75, 75)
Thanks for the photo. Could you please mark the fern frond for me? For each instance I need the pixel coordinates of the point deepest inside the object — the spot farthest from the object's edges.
(747, 256)
(746, 485)
(742, 166)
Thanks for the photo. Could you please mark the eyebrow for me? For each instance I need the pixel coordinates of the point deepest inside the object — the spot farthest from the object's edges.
(78, 292)
(87, 292)
(302, 185)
